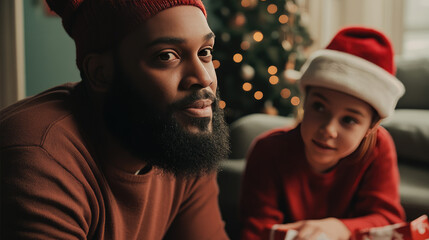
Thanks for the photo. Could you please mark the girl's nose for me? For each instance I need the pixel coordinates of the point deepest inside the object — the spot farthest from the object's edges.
(329, 129)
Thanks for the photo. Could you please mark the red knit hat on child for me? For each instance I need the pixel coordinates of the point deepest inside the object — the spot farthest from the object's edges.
(98, 25)
(360, 62)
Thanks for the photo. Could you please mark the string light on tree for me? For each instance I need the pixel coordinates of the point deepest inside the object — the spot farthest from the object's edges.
(245, 45)
(272, 8)
(237, 57)
(222, 104)
(258, 36)
(249, 3)
(258, 95)
(216, 64)
(295, 101)
(272, 70)
(283, 19)
(285, 93)
(247, 86)
(274, 80)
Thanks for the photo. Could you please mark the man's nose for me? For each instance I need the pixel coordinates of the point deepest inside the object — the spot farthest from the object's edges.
(196, 75)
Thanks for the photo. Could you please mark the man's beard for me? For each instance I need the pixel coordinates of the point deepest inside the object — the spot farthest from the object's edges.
(158, 138)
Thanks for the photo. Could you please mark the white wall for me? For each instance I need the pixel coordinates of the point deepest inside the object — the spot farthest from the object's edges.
(328, 16)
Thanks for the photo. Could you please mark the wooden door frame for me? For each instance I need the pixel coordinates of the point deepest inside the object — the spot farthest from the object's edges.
(12, 57)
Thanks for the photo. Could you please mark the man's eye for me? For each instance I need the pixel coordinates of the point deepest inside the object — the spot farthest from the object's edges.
(167, 56)
(207, 52)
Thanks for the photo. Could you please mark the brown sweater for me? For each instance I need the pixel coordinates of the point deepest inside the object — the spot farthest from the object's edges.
(53, 186)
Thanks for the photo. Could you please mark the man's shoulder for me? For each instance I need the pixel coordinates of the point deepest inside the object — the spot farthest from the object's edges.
(30, 120)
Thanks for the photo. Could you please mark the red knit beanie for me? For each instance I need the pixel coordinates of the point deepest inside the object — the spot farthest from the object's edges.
(98, 25)
(358, 61)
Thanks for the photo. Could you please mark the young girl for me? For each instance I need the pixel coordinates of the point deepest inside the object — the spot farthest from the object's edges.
(336, 172)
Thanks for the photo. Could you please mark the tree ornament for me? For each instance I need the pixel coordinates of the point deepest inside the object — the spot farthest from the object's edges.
(286, 45)
(269, 108)
(247, 72)
(291, 7)
(225, 11)
(239, 20)
(225, 37)
(275, 35)
(291, 75)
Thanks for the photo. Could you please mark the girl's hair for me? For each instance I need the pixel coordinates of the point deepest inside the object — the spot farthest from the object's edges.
(368, 142)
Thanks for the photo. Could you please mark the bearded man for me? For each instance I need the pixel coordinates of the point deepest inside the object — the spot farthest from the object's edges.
(132, 150)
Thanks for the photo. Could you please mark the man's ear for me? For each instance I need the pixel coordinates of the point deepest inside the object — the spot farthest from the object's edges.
(99, 71)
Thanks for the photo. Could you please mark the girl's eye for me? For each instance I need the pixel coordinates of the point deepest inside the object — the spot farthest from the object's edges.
(207, 52)
(349, 120)
(166, 56)
(318, 107)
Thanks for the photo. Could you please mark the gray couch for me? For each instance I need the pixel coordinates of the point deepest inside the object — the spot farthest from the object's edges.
(409, 127)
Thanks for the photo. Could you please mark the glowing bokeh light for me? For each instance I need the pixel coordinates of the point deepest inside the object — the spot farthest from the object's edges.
(295, 101)
(237, 57)
(272, 8)
(274, 80)
(272, 70)
(216, 64)
(285, 93)
(245, 45)
(258, 95)
(247, 86)
(283, 19)
(245, 3)
(222, 104)
(258, 36)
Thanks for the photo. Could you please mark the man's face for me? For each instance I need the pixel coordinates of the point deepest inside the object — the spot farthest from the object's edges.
(163, 106)
(170, 57)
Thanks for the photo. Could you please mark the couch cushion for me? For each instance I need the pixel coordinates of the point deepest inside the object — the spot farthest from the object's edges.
(410, 131)
(245, 129)
(414, 190)
(414, 74)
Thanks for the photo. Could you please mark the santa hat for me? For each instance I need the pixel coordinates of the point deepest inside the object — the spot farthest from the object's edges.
(360, 62)
(98, 25)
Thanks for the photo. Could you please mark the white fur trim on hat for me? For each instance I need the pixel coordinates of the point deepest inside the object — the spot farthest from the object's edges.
(355, 76)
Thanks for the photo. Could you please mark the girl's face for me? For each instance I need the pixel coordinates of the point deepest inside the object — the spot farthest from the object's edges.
(333, 126)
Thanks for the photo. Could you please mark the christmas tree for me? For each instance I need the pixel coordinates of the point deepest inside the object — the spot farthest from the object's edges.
(258, 45)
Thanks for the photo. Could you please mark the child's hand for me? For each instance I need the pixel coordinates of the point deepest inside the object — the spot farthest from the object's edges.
(323, 229)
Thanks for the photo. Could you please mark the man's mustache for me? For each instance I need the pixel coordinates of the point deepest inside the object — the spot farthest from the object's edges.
(199, 95)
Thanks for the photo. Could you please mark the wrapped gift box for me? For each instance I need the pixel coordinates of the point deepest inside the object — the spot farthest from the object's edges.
(417, 229)
(276, 232)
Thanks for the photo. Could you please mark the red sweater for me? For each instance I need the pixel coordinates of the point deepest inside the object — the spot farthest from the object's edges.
(279, 186)
(53, 186)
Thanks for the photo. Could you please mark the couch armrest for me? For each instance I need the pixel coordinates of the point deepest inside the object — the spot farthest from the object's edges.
(410, 132)
(229, 180)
